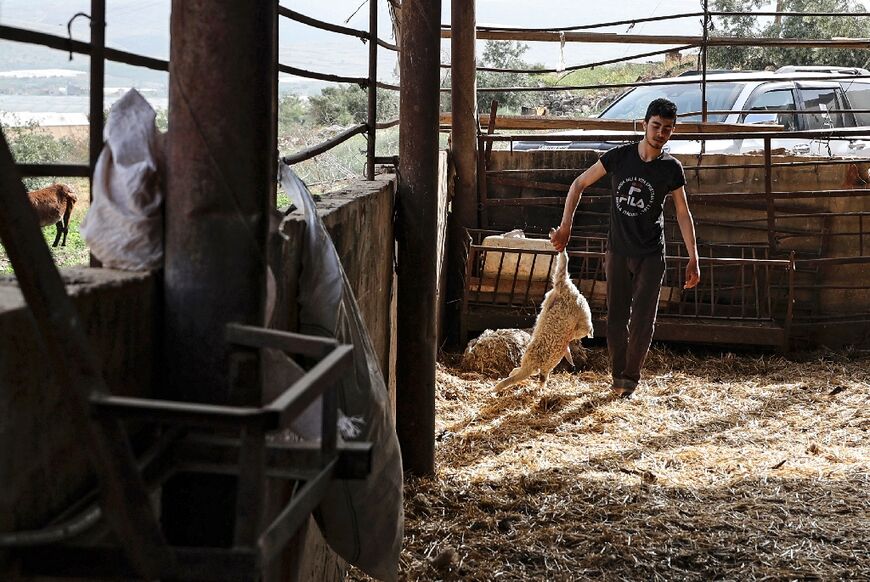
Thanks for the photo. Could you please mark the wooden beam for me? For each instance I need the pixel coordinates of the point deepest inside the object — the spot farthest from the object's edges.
(550, 122)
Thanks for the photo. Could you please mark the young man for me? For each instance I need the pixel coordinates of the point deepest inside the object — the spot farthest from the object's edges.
(642, 177)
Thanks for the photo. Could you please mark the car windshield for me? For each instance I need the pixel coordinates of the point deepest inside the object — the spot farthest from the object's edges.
(632, 105)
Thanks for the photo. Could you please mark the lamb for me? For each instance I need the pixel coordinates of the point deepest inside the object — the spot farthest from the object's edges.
(54, 205)
(564, 317)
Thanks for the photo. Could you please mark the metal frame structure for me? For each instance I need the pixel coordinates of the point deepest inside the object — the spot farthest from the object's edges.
(370, 83)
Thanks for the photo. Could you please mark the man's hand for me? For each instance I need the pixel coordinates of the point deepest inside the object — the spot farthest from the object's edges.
(559, 237)
(693, 274)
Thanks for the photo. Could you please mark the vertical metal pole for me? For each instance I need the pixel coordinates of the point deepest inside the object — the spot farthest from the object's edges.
(98, 70)
(373, 90)
(221, 168)
(768, 194)
(97, 83)
(704, 63)
(789, 311)
(463, 107)
(416, 232)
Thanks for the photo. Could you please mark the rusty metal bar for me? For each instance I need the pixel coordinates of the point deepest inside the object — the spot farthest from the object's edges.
(787, 13)
(550, 88)
(605, 37)
(65, 44)
(416, 233)
(286, 341)
(361, 81)
(252, 486)
(276, 536)
(789, 315)
(220, 187)
(482, 184)
(574, 67)
(706, 25)
(318, 149)
(182, 413)
(200, 452)
(768, 193)
(315, 23)
(372, 105)
(618, 136)
(124, 499)
(464, 114)
(314, 383)
(828, 261)
(497, 273)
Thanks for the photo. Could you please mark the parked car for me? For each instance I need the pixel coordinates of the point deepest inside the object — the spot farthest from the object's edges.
(822, 90)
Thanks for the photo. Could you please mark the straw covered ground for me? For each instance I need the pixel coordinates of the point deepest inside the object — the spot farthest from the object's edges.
(721, 466)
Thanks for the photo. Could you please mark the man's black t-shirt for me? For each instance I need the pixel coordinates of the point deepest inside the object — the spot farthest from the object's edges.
(639, 190)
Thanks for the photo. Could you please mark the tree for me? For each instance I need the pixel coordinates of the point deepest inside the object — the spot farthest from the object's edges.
(292, 111)
(819, 27)
(30, 145)
(504, 55)
(349, 104)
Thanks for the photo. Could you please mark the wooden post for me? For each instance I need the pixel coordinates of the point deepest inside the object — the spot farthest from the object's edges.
(416, 233)
(463, 147)
(221, 165)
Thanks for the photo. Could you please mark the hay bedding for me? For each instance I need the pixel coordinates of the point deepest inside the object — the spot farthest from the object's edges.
(720, 467)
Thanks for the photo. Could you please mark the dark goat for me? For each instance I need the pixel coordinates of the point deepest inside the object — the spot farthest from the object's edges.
(54, 205)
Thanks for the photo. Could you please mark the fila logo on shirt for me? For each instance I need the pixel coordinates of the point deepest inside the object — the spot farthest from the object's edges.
(634, 196)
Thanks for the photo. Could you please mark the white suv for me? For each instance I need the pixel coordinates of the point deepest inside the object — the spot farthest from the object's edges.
(831, 93)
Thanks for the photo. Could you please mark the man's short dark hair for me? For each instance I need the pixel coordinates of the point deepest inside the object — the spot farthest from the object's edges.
(664, 108)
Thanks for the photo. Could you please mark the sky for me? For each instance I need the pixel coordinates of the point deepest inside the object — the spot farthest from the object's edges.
(143, 26)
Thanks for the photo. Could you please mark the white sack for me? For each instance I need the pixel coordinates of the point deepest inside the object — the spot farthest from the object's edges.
(362, 520)
(124, 225)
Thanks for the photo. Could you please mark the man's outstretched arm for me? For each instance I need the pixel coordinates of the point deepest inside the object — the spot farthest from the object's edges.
(687, 229)
(559, 236)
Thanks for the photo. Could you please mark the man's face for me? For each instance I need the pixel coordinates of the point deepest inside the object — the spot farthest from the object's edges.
(658, 131)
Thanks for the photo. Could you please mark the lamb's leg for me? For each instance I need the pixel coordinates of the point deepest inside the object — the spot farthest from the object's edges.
(59, 230)
(568, 355)
(516, 376)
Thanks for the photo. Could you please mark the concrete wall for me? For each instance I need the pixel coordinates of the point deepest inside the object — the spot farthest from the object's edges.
(42, 466)
(359, 219)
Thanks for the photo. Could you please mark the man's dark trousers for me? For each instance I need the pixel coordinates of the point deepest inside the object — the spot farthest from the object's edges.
(633, 286)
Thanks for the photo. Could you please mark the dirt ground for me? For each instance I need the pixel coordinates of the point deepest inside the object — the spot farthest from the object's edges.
(721, 466)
